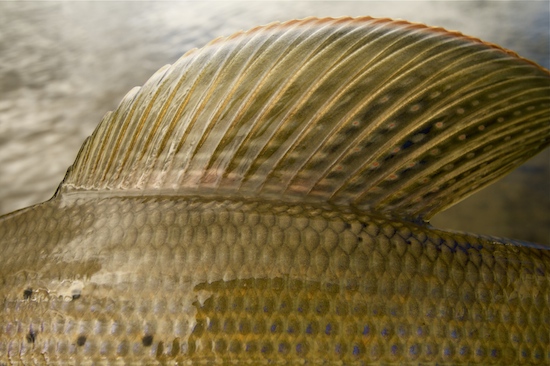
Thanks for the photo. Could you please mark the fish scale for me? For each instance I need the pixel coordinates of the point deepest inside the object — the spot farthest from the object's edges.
(265, 200)
(320, 284)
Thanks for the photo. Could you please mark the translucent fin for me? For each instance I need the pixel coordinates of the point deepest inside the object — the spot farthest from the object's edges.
(380, 115)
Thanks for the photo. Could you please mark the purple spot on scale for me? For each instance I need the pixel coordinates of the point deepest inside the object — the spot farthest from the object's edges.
(463, 350)
(454, 334)
(309, 329)
(273, 328)
(328, 329)
(290, 330)
(385, 332)
(394, 349)
(414, 350)
(524, 353)
(494, 353)
(299, 348)
(366, 330)
(447, 351)
(479, 352)
(356, 350)
(419, 331)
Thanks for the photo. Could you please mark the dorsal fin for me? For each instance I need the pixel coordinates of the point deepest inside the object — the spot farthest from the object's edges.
(381, 115)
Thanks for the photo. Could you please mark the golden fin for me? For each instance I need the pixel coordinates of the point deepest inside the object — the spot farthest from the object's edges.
(381, 115)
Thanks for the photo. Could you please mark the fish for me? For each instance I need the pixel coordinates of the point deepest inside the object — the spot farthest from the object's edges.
(266, 200)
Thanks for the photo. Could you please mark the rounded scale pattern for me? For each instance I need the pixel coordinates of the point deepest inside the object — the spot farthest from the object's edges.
(192, 281)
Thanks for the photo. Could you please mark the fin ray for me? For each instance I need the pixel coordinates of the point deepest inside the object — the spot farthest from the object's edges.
(372, 113)
(373, 125)
(414, 155)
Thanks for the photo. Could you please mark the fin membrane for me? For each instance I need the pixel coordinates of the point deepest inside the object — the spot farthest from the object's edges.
(381, 115)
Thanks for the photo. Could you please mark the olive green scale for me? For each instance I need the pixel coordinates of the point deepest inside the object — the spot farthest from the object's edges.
(161, 279)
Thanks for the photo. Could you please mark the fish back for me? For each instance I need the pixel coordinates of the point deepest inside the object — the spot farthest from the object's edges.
(192, 281)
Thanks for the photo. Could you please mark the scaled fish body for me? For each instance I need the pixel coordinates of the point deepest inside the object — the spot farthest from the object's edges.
(264, 201)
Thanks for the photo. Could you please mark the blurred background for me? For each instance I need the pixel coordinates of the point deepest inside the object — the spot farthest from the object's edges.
(64, 64)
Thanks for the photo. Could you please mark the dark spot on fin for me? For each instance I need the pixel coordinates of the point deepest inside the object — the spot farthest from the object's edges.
(27, 293)
(147, 340)
(76, 296)
(31, 337)
(81, 340)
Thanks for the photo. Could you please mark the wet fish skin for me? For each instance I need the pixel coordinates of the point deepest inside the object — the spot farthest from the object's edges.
(171, 280)
(231, 211)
